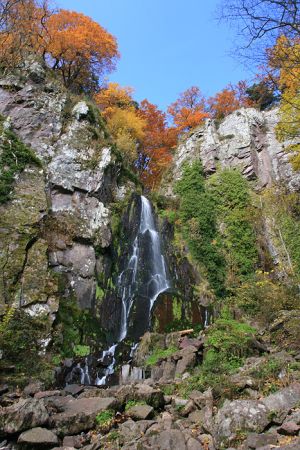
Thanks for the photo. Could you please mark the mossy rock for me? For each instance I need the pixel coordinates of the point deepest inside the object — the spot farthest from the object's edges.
(19, 229)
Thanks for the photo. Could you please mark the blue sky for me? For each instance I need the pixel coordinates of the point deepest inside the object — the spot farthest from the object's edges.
(166, 45)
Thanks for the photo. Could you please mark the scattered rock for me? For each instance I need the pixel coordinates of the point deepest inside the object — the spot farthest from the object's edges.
(74, 441)
(45, 394)
(80, 414)
(166, 440)
(254, 415)
(33, 388)
(23, 415)
(141, 412)
(289, 428)
(38, 437)
(74, 389)
(255, 440)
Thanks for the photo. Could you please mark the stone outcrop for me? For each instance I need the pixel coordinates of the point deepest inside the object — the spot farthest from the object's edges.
(58, 222)
(245, 139)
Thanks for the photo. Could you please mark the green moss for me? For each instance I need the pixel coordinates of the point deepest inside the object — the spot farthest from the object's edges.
(75, 329)
(14, 157)
(132, 403)
(99, 292)
(160, 354)
(21, 344)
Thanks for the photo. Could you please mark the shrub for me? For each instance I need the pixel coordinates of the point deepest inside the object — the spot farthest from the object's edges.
(198, 219)
(227, 345)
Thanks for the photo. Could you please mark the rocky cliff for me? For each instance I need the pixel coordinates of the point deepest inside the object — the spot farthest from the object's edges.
(56, 227)
(246, 139)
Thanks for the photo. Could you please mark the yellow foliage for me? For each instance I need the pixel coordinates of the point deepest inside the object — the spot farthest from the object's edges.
(127, 145)
(285, 57)
(126, 124)
(114, 96)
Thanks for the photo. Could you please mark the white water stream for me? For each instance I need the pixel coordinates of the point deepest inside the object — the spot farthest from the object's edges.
(156, 283)
(157, 280)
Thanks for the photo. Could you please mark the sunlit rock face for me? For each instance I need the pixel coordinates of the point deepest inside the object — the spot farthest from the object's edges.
(60, 213)
(245, 139)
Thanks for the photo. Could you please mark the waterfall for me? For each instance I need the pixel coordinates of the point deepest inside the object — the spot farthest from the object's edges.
(156, 280)
(144, 275)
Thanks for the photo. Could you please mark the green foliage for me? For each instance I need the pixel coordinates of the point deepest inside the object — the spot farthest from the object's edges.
(227, 345)
(283, 209)
(263, 297)
(198, 219)
(267, 374)
(232, 201)
(168, 214)
(14, 157)
(20, 337)
(158, 354)
(82, 350)
(75, 329)
(104, 418)
(262, 95)
(168, 389)
(132, 403)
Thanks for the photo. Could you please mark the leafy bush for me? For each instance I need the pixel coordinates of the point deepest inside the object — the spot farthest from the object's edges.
(198, 219)
(230, 193)
(263, 296)
(105, 418)
(227, 345)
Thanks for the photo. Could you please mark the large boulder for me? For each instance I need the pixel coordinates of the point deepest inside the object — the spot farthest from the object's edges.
(80, 414)
(25, 414)
(38, 437)
(254, 415)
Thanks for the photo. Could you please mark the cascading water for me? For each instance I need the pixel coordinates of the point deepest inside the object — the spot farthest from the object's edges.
(153, 282)
(156, 280)
(139, 284)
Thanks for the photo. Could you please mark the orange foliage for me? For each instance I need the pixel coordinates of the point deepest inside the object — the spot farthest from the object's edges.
(79, 45)
(224, 103)
(71, 43)
(23, 27)
(157, 144)
(114, 96)
(189, 110)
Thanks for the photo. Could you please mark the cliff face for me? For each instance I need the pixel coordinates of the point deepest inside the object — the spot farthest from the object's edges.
(245, 139)
(56, 228)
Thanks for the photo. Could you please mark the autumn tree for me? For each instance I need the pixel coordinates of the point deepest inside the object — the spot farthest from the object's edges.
(224, 103)
(114, 96)
(22, 30)
(78, 47)
(285, 57)
(127, 129)
(262, 95)
(189, 110)
(156, 150)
